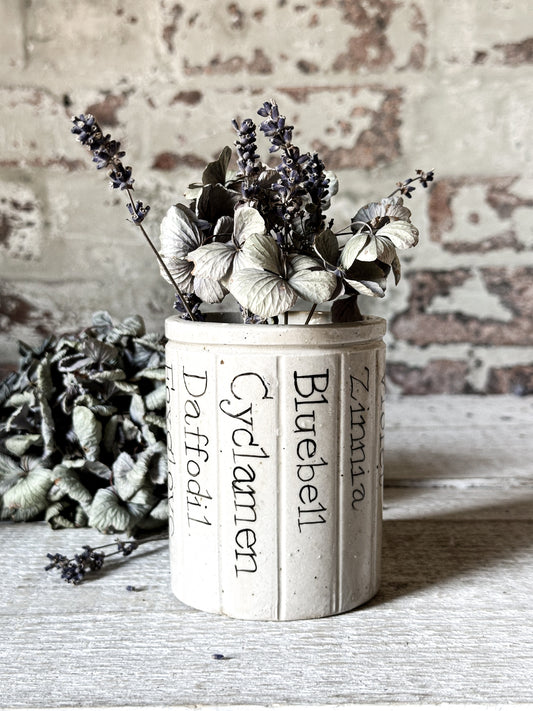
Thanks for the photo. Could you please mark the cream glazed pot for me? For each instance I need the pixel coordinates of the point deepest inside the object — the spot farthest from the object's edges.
(275, 451)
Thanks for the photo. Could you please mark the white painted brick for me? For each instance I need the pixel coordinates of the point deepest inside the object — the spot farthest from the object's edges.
(94, 43)
(461, 29)
(168, 76)
(12, 42)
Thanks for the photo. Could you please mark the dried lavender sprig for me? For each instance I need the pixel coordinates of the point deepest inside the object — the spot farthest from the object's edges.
(74, 570)
(107, 154)
(275, 127)
(291, 186)
(246, 146)
(247, 158)
(316, 185)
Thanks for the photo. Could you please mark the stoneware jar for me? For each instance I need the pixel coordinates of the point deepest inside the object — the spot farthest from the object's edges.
(275, 454)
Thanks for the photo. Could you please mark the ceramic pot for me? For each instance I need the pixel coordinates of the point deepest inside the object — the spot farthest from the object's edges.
(275, 441)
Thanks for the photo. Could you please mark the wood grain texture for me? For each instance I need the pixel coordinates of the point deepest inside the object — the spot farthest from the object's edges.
(452, 623)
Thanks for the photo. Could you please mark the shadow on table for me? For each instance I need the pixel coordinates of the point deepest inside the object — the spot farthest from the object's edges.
(440, 547)
(150, 549)
(408, 465)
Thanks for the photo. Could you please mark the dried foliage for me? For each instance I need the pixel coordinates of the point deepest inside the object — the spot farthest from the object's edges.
(82, 430)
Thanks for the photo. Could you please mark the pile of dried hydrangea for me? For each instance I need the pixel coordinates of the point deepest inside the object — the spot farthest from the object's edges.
(82, 430)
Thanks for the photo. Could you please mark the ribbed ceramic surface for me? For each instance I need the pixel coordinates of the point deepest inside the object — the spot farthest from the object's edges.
(275, 466)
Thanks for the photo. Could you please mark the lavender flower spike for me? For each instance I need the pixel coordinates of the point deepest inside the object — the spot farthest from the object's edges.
(246, 147)
(106, 152)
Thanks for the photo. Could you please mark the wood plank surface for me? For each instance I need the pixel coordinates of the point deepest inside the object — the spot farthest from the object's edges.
(452, 623)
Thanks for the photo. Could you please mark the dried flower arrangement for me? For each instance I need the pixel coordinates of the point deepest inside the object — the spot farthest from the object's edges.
(261, 233)
(82, 432)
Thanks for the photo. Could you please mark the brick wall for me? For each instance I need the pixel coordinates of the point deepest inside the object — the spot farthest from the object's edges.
(379, 87)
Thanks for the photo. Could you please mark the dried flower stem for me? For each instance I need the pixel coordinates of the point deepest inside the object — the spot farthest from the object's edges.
(310, 314)
(162, 263)
(407, 187)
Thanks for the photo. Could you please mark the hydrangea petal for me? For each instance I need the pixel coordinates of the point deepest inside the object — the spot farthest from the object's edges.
(401, 233)
(209, 290)
(181, 272)
(179, 234)
(354, 247)
(262, 251)
(391, 207)
(262, 293)
(213, 261)
(366, 288)
(314, 286)
(247, 222)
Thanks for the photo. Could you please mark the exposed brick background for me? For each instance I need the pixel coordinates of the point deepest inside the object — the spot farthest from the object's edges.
(378, 87)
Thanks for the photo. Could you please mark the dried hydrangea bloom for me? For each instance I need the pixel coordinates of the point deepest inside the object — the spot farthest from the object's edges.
(376, 214)
(272, 283)
(217, 260)
(383, 227)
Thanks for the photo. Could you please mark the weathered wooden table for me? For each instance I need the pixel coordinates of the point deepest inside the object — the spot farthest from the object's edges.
(453, 622)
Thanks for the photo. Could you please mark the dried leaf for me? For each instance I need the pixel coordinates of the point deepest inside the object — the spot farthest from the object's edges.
(366, 288)
(247, 222)
(353, 248)
(20, 444)
(209, 290)
(126, 387)
(156, 399)
(108, 513)
(137, 409)
(68, 482)
(88, 431)
(214, 201)
(151, 374)
(53, 515)
(223, 229)
(28, 497)
(10, 471)
(215, 172)
(108, 375)
(131, 326)
(44, 390)
(64, 395)
(327, 247)
(156, 420)
(130, 475)
(179, 236)
(110, 432)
